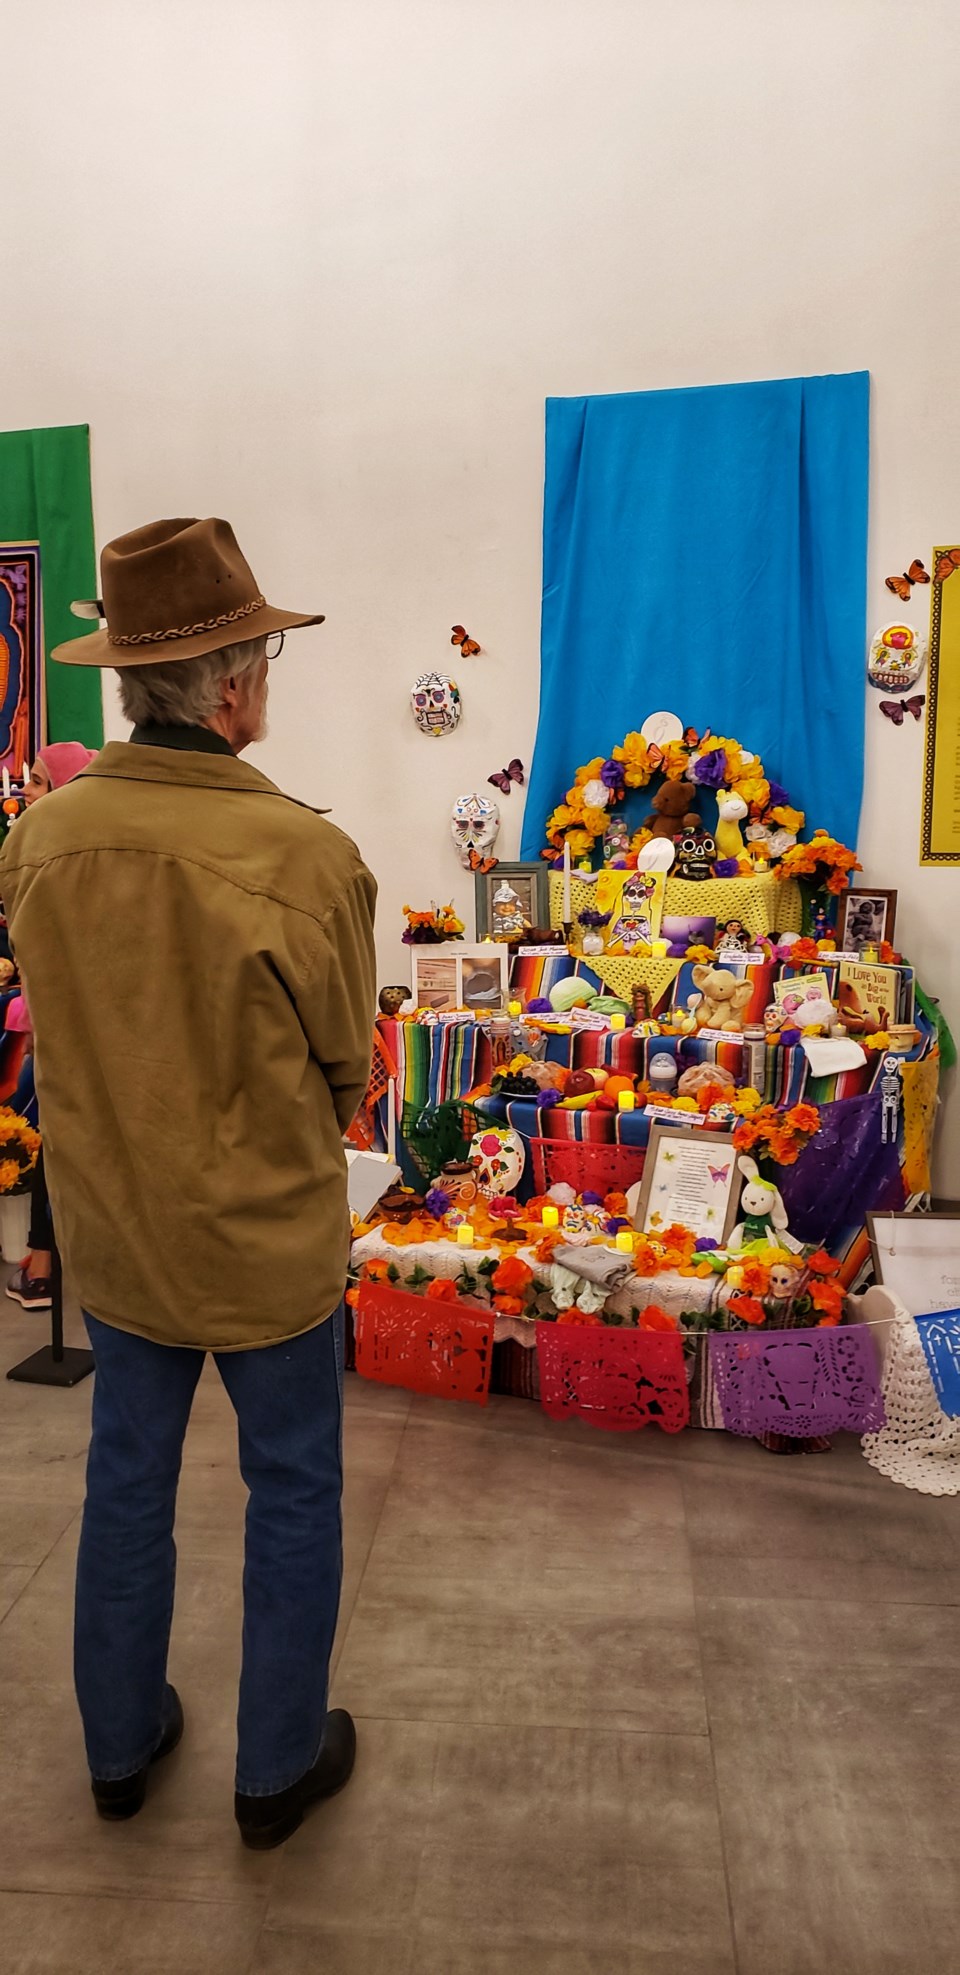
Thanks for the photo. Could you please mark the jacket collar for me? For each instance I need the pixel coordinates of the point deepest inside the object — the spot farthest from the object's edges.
(124, 761)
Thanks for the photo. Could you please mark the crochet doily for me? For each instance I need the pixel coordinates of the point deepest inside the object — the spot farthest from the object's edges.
(919, 1446)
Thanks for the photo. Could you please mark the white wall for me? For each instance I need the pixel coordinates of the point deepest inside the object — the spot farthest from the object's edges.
(315, 265)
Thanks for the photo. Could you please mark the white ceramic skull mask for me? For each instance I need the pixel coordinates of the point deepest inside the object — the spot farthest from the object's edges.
(498, 1156)
(435, 700)
(474, 826)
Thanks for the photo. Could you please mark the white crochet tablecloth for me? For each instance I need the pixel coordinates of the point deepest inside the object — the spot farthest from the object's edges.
(919, 1446)
(673, 1292)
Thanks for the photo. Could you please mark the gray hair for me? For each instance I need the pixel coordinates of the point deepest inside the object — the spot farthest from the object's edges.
(184, 692)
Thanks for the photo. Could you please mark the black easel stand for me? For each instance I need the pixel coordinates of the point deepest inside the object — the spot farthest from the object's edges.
(54, 1363)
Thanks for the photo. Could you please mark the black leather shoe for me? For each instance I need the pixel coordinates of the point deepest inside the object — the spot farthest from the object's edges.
(123, 1796)
(268, 1821)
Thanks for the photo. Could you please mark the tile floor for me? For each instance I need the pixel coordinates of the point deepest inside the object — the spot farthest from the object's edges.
(627, 1707)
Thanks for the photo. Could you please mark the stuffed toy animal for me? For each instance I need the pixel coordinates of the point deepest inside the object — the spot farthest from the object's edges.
(722, 998)
(673, 810)
(764, 1214)
(731, 810)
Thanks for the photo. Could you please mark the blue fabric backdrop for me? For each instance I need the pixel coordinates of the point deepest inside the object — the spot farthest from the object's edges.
(705, 551)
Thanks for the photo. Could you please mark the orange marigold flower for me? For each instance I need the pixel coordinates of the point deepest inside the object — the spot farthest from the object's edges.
(827, 1323)
(654, 1318)
(512, 1276)
(821, 1264)
(509, 1306)
(442, 1290)
(803, 1118)
(352, 1297)
(575, 1316)
(748, 1308)
(376, 1269)
(755, 1277)
(828, 1298)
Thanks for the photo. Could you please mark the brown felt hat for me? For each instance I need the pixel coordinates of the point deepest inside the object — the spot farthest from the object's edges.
(175, 589)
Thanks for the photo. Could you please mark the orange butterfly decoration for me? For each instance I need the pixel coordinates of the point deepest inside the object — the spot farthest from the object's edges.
(468, 646)
(902, 585)
(485, 864)
(946, 564)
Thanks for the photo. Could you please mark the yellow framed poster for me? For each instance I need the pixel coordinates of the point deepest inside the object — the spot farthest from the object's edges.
(940, 813)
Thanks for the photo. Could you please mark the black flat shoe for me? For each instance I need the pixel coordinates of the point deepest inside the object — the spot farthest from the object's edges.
(268, 1821)
(120, 1798)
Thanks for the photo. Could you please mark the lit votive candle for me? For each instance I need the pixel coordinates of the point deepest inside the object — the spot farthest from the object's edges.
(624, 1241)
(550, 1217)
(626, 1100)
(659, 948)
(465, 1235)
(618, 1021)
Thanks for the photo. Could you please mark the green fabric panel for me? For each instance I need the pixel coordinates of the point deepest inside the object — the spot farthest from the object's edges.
(933, 1013)
(45, 497)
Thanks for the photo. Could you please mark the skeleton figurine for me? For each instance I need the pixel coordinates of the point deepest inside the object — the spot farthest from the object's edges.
(889, 1099)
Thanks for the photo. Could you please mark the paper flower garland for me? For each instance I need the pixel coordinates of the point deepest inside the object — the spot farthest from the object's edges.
(712, 763)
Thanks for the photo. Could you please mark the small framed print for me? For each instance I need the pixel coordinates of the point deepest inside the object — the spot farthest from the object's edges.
(689, 1180)
(452, 975)
(866, 918)
(524, 900)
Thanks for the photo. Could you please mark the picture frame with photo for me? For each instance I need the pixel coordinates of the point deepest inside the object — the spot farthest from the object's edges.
(868, 915)
(455, 975)
(530, 882)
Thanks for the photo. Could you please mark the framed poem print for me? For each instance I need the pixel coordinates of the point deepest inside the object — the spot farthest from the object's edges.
(689, 1180)
(505, 916)
(917, 1257)
(866, 917)
(453, 975)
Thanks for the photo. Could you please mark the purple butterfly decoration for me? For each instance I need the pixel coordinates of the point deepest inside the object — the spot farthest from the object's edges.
(894, 708)
(718, 1173)
(507, 775)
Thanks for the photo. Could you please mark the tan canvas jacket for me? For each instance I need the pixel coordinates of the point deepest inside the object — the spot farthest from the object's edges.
(197, 949)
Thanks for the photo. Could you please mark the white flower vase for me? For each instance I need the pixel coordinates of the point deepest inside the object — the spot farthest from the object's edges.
(14, 1225)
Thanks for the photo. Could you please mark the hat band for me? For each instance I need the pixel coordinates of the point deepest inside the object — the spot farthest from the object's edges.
(187, 630)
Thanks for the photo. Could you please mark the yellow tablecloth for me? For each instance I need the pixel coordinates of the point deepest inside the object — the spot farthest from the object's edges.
(762, 904)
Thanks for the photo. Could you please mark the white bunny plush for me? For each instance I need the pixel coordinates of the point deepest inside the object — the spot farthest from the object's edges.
(764, 1214)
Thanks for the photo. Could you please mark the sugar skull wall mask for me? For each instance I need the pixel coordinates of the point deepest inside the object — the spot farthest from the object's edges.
(896, 659)
(435, 700)
(474, 825)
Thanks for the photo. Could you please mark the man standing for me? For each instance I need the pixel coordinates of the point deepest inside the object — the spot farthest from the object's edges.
(198, 952)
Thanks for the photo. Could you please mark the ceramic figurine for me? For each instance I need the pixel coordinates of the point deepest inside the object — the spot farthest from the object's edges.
(474, 827)
(696, 854)
(435, 700)
(733, 939)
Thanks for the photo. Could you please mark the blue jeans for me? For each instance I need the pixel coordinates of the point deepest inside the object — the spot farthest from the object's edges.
(288, 1399)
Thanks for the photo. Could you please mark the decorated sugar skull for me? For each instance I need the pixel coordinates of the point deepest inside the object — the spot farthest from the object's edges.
(574, 1224)
(435, 700)
(474, 826)
(897, 654)
(497, 1156)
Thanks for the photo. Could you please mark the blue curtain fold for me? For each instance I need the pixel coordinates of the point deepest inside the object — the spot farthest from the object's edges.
(705, 551)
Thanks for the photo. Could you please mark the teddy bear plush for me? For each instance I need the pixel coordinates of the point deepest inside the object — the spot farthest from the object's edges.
(722, 998)
(673, 810)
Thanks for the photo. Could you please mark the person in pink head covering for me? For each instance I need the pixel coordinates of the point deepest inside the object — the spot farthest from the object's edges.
(29, 1285)
(54, 766)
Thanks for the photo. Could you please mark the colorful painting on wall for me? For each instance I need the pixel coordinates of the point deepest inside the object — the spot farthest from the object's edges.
(21, 655)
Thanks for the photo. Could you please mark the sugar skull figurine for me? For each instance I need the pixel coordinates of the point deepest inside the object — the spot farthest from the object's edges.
(575, 1226)
(497, 1156)
(474, 827)
(696, 853)
(435, 700)
(896, 658)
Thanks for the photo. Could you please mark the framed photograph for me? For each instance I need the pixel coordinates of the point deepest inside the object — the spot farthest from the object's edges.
(917, 1257)
(866, 917)
(689, 1178)
(454, 975)
(530, 903)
